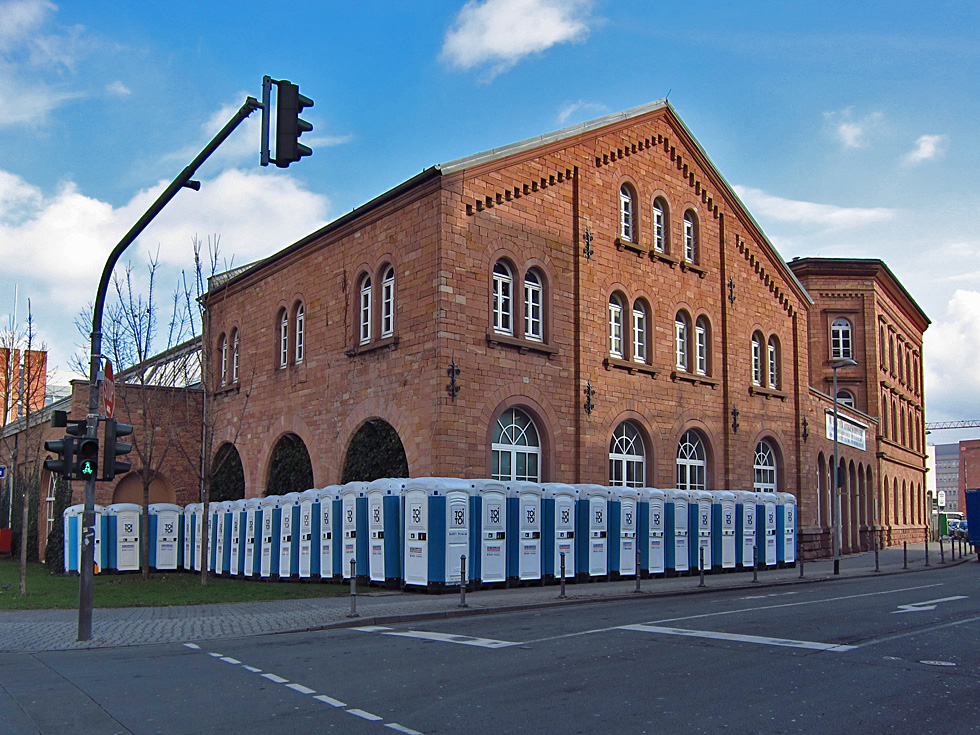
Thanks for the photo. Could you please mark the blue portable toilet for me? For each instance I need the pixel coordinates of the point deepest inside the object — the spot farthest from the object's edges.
(490, 504)
(308, 563)
(437, 531)
(236, 510)
(193, 520)
(165, 541)
(723, 524)
(699, 510)
(560, 524)
(384, 498)
(328, 548)
(123, 526)
(267, 541)
(525, 517)
(593, 531)
(655, 530)
(766, 529)
(288, 535)
(353, 525)
(677, 541)
(72, 520)
(252, 537)
(745, 528)
(187, 537)
(624, 514)
(785, 529)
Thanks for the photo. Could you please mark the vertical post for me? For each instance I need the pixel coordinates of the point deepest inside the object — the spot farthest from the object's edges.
(905, 555)
(927, 549)
(801, 566)
(942, 552)
(637, 565)
(462, 581)
(561, 596)
(877, 568)
(837, 503)
(755, 563)
(353, 589)
(701, 566)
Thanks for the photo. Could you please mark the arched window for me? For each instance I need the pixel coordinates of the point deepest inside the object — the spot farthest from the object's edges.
(765, 468)
(616, 326)
(840, 339)
(884, 415)
(283, 339)
(690, 236)
(681, 335)
(533, 306)
(627, 461)
(234, 355)
(702, 340)
(882, 353)
(503, 305)
(300, 333)
(845, 398)
(894, 420)
(772, 374)
(627, 209)
(364, 310)
(516, 450)
(660, 225)
(691, 462)
(640, 328)
(223, 353)
(387, 302)
(757, 358)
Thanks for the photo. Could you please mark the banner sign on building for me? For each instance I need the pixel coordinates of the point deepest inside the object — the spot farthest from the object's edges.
(850, 432)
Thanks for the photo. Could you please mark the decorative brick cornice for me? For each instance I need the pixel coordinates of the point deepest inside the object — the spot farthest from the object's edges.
(519, 190)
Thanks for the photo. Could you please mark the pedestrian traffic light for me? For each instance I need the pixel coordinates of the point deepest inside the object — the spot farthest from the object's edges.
(86, 459)
(113, 448)
(289, 125)
(64, 449)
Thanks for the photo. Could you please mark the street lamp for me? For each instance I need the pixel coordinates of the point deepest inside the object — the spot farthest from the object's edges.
(836, 365)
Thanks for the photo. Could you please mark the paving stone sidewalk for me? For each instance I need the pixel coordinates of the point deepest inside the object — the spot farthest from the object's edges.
(48, 630)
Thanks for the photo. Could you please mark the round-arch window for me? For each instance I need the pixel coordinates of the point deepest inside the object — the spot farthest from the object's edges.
(765, 467)
(691, 461)
(627, 461)
(516, 448)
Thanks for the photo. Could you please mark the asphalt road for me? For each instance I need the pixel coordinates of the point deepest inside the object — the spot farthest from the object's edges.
(895, 654)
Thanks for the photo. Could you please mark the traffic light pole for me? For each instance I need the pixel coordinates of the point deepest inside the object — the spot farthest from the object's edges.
(95, 368)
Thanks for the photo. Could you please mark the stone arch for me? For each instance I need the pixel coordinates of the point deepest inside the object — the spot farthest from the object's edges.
(374, 451)
(227, 480)
(130, 490)
(290, 469)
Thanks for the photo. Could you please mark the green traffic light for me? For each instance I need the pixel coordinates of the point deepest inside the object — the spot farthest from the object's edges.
(87, 468)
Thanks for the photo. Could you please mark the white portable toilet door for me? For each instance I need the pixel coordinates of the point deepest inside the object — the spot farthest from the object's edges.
(416, 538)
(655, 563)
(188, 520)
(128, 539)
(305, 537)
(565, 535)
(704, 530)
(529, 561)
(789, 538)
(627, 536)
(235, 554)
(494, 537)
(168, 521)
(376, 543)
(265, 563)
(218, 522)
(326, 538)
(249, 550)
(598, 537)
(728, 534)
(748, 534)
(198, 530)
(286, 539)
(680, 536)
(770, 521)
(457, 535)
(348, 522)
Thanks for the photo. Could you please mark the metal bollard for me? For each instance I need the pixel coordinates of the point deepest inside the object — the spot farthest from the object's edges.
(353, 589)
(637, 568)
(701, 566)
(905, 555)
(927, 550)
(755, 563)
(942, 553)
(562, 595)
(462, 581)
(801, 567)
(877, 565)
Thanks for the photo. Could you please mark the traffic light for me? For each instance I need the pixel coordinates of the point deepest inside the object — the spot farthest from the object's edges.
(114, 448)
(64, 449)
(289, 125)
(86, 459)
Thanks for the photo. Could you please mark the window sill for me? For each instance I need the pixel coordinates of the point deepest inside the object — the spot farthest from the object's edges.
(524, 345)
(686, 377)
(656, 255)
(758, 390)
(630, 367)
(685, 266)
(624, 244)
(380, 344)
(225, 389)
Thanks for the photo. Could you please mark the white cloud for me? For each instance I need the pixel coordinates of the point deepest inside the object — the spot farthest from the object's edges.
(829, 216)
(20, 21)
(502, 32)
(927, 148)
(851, 132)
(594, 108)
(950, 350)
(118, 89)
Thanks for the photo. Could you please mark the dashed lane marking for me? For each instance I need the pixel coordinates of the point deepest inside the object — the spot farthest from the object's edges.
(371, 628)
(365, 715)
(300, 688)
(252, 669)
(330, 700)
(401, 728)
(740, 638)
(276, 679)
(229, 660)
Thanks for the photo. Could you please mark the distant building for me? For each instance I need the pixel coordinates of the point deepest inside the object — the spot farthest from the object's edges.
(969, 470)
(947, 476)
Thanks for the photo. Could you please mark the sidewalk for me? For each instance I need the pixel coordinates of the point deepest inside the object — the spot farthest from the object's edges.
(53, 630)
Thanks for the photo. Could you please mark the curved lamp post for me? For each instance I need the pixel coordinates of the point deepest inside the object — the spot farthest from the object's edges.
(836, 365)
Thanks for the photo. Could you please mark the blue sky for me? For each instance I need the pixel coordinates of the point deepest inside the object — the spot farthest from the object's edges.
(848, 129)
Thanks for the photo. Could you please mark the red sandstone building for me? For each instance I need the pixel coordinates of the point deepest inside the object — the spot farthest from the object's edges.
(594, 305)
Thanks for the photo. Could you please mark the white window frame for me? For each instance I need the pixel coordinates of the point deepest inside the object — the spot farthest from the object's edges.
(616, 327)
(659, 227)
(503, 303)
(639, 332)
(765, 479)
(692, 465)
(283, 339)
(224, 360)
(627, 457)
(757, 359)
(841, 343)
(300, 334)
(680, 342)
(516, 441)
(845, 398)
(627, 208)
(388, 302)
(364, 311)
(772, 374)
(234, 356)
(533, 307)
(690, 237)
(701, 346)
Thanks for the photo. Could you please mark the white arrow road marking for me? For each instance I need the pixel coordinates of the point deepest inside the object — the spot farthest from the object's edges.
(465, 640)
(714, 635)
(927, 605)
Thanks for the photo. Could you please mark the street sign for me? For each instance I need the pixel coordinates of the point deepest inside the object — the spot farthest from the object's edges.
(108, 392)
(3, 471)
